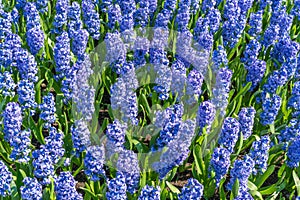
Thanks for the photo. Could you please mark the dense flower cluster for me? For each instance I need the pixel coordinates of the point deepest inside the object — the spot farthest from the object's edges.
(20, 144)
(62, 55)
(192, 190)
(5, 180)
(93, 162)
(91, 18)
(65, 187)
(220, 162)
(116, 188)
(60, 19)
(259, 154)
(48, 110)
(31, 189)
(12, 121)
(246, 120)
(7, 84)
(271, 107)
(229, 133)
(293, 153)
(206, 115)
(149, 192)
(80, 136)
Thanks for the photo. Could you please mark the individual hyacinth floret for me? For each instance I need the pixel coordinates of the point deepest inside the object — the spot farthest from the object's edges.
(5, 180)
(246, 120)
(220, 163)
(65, 187)
(229, 133)
(93, 162)
(48, 110)
(32, 189)
(150, 192)
(192, 190)
(259, 154)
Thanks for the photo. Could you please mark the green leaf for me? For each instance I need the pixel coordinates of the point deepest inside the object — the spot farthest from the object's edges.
(235, 188)
(172, 187)
(297, 181)
(261, 179)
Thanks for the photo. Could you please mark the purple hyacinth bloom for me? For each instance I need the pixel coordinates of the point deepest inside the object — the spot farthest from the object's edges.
(246, 120)
(61, 16)
(5, 180)
(270, 107)
(7, 84)
(194, 84)
(126, 23)
(91, 18)
(170, 6)
(48, 110)
(251, 52)
(117, 188)
(65, 187)
(127, 7)
(27, 66)
(141, 48)
(169, 121)
(93, 162)
(178, 79)
(221, 90)
(229, 133)
(26, 94)
(219, 58)
(245, 5)
(220, 162)
(177, 150)
(285, 50)
(32, 189)
(276, 79)
(162, 19)
(182, 17)
(128, 165)
(207, 5)
(12, 120)
(62, 56)
(54, 144)
(20, 144)
(296, 9)
(35, 40)
(243, 195)
(241, 170)
(149, 192)
(293, 153)
(114, 16)
(202, 37)
(79, 43)
(231, 9)
(191, 190)
(255, 23)
(42, 5)
(80, 136)
(20, 4)
(270, 35)
(289, 133)
(43, 166)
(294, 101)
(74, 21)
(255, 72)
(141, 15)
(206, 115)
(259, 154)
(214, 18)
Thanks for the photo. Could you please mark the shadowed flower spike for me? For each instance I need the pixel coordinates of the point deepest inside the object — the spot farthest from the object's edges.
(206, 115)
(193, 190)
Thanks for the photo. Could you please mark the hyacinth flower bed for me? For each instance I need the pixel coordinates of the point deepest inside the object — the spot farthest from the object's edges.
(149, 99)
